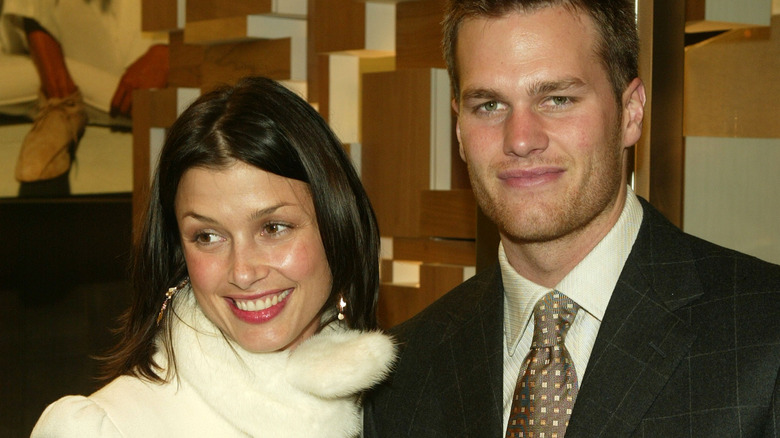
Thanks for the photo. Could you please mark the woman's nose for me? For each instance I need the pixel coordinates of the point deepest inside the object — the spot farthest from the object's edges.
(249, 264)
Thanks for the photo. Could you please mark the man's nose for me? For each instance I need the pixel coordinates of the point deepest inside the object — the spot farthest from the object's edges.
(524, 133)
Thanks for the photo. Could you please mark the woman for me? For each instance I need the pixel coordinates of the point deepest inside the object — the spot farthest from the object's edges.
(256, 279)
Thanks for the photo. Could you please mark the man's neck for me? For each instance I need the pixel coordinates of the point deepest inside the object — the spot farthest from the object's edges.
(547, 263)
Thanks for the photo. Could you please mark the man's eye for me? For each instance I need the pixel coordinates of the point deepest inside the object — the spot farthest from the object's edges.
(560, 100)
(490, 106)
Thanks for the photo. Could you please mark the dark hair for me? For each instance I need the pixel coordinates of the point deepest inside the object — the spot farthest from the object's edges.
(615, 21)
(259, 122)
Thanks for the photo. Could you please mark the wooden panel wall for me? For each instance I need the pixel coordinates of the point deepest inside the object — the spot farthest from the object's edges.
(405, 127)
(395, 147)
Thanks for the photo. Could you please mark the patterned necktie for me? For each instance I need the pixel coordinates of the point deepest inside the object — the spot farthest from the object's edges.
(545, 393)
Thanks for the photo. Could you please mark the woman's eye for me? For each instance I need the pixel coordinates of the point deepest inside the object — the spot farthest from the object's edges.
(206, 238)
(275, 228)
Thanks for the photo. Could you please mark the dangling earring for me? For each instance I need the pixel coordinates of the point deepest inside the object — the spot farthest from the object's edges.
(169, 295)
(341, 306)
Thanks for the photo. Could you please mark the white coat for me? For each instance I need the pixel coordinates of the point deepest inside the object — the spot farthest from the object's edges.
(221, 390)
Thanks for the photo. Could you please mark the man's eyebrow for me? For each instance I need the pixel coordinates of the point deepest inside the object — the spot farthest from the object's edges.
(481, 94)
(547, 87)
(537, 88)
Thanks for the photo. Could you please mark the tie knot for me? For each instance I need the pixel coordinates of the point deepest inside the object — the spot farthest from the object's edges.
(553, 315)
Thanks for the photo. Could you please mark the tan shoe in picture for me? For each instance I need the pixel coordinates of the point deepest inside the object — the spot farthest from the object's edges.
(47, 148)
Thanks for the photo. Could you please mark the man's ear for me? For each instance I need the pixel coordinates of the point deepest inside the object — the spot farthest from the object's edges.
(633, 112)
(456, 110)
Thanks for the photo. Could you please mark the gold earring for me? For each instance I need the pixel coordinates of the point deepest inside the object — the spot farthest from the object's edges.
(169, 295)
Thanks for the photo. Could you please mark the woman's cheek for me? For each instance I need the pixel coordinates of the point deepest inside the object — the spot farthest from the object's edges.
(202, 268)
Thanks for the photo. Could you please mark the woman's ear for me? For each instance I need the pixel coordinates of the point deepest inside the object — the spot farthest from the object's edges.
(633, 112)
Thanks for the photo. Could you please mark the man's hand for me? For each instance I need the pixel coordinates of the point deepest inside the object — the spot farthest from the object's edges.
(148, 71)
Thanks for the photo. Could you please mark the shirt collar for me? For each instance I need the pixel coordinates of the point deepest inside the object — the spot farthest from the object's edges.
(589, 284)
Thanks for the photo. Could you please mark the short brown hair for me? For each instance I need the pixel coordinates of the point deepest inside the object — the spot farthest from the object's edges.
(615, 21)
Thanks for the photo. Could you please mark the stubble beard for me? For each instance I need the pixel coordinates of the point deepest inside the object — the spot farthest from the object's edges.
(538, 220)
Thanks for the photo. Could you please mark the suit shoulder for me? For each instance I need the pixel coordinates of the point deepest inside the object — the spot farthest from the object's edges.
(718, 266)
(457, 304)
(743, 272)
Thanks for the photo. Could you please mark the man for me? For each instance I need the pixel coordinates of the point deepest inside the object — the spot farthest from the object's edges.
(656, 333)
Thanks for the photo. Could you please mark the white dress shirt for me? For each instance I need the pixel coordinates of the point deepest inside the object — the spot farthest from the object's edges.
(589, 284)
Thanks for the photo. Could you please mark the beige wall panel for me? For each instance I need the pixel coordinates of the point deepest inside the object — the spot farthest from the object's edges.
(756, 12)
(732, 84)
(731, 193)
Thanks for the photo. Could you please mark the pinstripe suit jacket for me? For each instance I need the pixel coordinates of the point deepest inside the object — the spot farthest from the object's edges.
(689, 347)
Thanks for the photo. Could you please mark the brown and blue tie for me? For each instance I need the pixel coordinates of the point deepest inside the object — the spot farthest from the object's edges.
(545, 392)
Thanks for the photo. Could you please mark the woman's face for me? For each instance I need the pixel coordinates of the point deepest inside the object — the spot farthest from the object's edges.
(254, 254)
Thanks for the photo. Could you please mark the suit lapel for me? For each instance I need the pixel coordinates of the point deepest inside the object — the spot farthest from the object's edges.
(641, 341)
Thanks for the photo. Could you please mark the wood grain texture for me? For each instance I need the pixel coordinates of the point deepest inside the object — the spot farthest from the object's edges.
(434, 250)
(151, 109)
(226, 63)
(186, 61)
(665, 131)
(418, 34)
(198, 10)
(436, 279)
(448, 213)
(397, 303)
(340, 97)
(159, 15)
(396, 146)
(218, 30)
(332, 25)
(208, 65)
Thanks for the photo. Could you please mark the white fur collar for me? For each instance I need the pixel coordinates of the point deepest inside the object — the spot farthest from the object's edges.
(309, 392)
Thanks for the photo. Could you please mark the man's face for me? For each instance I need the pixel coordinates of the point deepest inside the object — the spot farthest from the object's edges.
(538, 123)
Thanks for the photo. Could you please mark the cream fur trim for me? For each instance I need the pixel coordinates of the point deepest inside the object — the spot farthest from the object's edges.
(309, 392)
(337, 363)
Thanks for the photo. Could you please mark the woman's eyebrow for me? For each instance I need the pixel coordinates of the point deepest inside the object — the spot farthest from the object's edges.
(259, 213)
